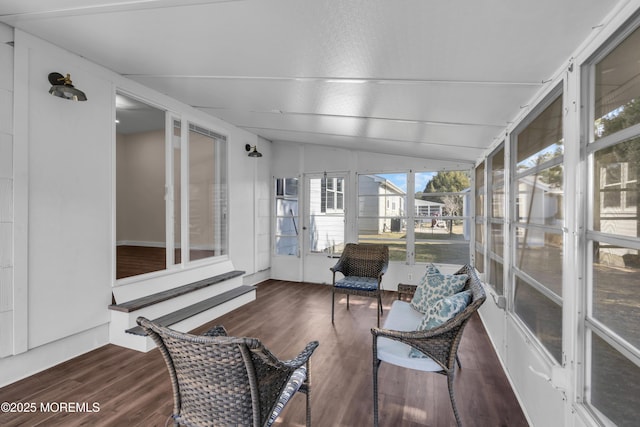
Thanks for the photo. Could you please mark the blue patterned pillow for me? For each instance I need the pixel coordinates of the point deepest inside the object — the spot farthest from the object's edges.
(443, 310)
(418, 294)
(435, 287)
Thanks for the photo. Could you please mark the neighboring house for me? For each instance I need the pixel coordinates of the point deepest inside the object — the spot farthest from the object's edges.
(382, 207)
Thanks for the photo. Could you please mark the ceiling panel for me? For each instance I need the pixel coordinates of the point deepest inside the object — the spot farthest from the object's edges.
(413, 76)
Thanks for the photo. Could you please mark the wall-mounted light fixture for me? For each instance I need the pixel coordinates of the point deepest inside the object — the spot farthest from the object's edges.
(61, 87)
(253, 151)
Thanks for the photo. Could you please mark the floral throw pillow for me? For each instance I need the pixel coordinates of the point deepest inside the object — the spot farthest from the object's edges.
(443, 310)
(418, 294)
(435, 287)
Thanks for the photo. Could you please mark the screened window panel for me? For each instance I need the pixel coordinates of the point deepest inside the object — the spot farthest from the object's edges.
(615, 384)
(450, 252)
(479, 233)
(286, 245)
(497, 239)
(479, 260)
(497, 202)
(616, 290)
(615, 177)
(542, 139)
(540, 197)
(617, 88)
(382, 212)
(496, 275)
(326, 225)
(480, 189)
(497, 167)
(287, 207)
(287, 220)
(541, 315)
(177, 179)
(540, 254)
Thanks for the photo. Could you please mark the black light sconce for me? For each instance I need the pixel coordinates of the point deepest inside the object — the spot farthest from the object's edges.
(61, 87)
(253, 151)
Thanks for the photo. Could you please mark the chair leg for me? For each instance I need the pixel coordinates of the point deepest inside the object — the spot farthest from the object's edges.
(453, 398)
(376, 364)
(347, 301)
(308, 396)
(333, 303)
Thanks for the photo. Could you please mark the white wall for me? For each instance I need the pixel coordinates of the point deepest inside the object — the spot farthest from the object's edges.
(64, 196)
(6, 191)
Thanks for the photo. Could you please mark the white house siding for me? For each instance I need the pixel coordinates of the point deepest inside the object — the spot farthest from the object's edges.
(326, 229)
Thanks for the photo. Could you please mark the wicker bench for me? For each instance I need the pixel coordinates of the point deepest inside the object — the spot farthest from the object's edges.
(393, 342)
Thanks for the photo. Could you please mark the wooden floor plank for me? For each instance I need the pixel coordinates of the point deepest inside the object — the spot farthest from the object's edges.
(133, 388)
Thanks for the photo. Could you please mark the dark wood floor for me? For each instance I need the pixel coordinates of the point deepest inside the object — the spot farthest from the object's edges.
(135, 260)
(133, 389)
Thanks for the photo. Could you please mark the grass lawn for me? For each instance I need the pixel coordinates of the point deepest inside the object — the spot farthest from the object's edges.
(432, 245)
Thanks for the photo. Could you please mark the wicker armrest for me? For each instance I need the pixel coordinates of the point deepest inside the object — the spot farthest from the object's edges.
(291, 364)
(303, 357)
(338, 266)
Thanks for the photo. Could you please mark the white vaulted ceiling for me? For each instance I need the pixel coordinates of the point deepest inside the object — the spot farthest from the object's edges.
(439, 79)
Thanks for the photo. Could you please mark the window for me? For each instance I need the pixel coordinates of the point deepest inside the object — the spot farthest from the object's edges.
(332, 195)
(496, 222)
(382, 216)
(287, 216)
(612, 369)
(326, 214)
(538, 194)
(434, 229)
(207, 193)
(481, 192)
(152, 177)
(444, 234)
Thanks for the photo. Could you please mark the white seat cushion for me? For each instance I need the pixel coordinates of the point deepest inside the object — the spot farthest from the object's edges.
(402, 317)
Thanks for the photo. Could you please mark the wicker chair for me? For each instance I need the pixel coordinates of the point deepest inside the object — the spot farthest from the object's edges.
(440, 344)
(221, 380)
(363, 266)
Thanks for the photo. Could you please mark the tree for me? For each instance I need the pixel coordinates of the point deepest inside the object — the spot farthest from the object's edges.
(448, 182)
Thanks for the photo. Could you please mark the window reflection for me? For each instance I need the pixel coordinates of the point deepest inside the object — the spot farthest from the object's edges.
(542, 140)
(287, 220)
(615, 383)
(540, 196)
(207, 194)
(617, 88)
(616, 178)
(541, 315)
(616, 289)
(540, 255)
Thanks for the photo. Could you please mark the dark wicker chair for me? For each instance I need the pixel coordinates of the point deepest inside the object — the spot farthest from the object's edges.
(363, 266)
(221, 380)
(440, 344)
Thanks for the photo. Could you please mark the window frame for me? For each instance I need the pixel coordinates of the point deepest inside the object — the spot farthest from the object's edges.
(591, 145)
(176, 201)
(410, 216)
(514, 272)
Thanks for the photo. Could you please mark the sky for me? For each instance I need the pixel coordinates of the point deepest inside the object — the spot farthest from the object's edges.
(400, 179)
